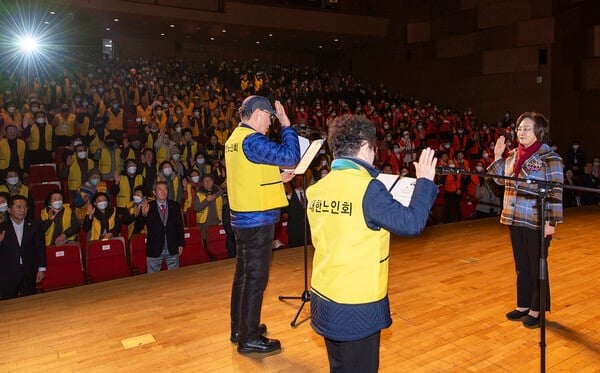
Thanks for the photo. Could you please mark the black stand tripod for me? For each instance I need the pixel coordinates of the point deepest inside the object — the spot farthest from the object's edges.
(305, 297)
(544, 189)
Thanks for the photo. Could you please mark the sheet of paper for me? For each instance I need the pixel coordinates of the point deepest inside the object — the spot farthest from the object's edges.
(401, 188)
(308, 156)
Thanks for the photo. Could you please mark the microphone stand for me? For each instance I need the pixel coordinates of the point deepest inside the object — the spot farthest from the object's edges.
(544, 189)
(305, 297)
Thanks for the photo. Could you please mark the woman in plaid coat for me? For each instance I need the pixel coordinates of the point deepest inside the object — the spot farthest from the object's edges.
(532, 159)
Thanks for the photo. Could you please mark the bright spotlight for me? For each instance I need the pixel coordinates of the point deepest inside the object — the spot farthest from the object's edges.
(28, 45)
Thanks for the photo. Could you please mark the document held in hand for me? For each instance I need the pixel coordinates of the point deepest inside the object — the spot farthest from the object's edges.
(400, 187)
(309, 151)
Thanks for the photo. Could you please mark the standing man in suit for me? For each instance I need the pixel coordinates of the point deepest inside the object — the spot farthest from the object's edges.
(164, 225)
(295, 211)
(22, 251)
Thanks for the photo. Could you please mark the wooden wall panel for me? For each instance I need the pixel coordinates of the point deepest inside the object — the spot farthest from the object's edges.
(590, 74)
(418, 32)
(510, 60)
(504, 12)
(454, 46)
(536, 31)
(596, 37)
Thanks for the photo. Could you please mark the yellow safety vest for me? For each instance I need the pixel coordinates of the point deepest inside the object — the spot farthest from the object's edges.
(94, 233)
(24, 191)
(105, 162)
(75, 177)
(5, 153)
(124, 196)
(65, 127)
(194, 149)
(350, 263)
(95, 143)
(115, 122)
(33, 141)
(203, 215)
(251, 186)
(66, 224)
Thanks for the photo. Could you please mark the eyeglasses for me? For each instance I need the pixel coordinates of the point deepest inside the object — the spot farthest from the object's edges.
(271, 115)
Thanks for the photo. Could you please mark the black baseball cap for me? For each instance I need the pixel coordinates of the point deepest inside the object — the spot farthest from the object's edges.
(252, 103)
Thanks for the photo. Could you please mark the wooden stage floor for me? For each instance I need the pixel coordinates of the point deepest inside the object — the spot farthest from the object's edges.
(449, 290)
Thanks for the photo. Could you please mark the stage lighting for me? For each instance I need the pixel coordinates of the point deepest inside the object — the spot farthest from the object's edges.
(28, 45)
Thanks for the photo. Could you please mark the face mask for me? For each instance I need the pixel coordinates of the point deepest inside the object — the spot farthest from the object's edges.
(100, 90)
(166, 106)
(81, 155)
(3, 207)
(479, 168)
(397, 150)
(93, 90)
(322, 151)
(40, 120)
(323, 163)
(175, 157)
(102, 205)
(386, 127)
(11, 110)
(159, 112)
(167, 171)
(485, 155)
(178, 112)
(195, 179)
(57, 205)
(460, 132)
(94, 181)
(131, 170)
(407, 137)
(447, 146)
(575, 147)
(419, 127)
(141, 86)
(197, 114)
(35, 109)
(452, 165)
(12, 180)
(200, 161)
(115, 107)
(178, 129)
(137, 200)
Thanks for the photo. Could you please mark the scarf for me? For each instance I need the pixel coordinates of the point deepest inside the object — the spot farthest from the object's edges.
(524, 154)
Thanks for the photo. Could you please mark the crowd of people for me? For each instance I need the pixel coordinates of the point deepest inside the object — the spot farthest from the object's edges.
(116, 128)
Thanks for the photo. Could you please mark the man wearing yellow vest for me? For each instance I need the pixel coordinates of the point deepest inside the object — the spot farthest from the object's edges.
(351, 215)
(256, 195)
(13, 151)
(39, 136)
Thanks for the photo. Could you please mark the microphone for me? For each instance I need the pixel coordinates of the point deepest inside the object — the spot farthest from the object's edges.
(447, 170)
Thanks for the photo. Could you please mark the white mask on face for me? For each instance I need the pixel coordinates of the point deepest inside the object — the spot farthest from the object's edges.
(168, 171)
(200, 161)
(137, 200)
(102, 205)
(479, 168)
(82, 155)
(323, 163)
(485, 155)
(3, 207)
(12, 180)
(195, 179)
(57, 205)
(131, 170)
(175, 157)
(40, 120)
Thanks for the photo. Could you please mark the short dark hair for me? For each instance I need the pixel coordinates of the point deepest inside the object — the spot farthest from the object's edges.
(541, 125)
(17, 197)
(160, 182)
(49, 196)
(347, 133)
(100, 194)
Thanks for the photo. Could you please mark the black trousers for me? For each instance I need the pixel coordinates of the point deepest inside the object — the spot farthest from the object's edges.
(254, 249)
(360, 356)
(22, 285)
(526, 252)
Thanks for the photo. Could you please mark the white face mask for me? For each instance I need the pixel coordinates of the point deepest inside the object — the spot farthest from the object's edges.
(102, 205)
(57, 205)
(485, 155)
(323, 163)
(40, 120)
(479, 168)
(195, 179)
(397, 150)
(178, 129)
(3, 207)
(167, 171)
(137, 199)
(175, 157)
(200, 161)
(131, 169)
(81, 155)
(158, 112)
(12, 180)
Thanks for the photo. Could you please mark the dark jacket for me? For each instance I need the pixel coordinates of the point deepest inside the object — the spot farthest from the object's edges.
(157, 231)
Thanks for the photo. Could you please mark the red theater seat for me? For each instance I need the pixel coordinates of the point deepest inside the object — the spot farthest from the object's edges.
(64, 267)
(106, 260)
(39, 191)
(216, 239)
(193, 251)
(39, 173)
(137, 254)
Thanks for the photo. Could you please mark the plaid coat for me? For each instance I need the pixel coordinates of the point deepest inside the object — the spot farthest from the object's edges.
(520, 199)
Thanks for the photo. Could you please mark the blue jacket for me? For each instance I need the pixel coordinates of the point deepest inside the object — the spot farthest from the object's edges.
(259, 149)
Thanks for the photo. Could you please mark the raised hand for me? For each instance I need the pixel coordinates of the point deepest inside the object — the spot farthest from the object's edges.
(425, 167)
(90, 210)
(117, 176)
(281, 115)
(145, 208)
(499, 147)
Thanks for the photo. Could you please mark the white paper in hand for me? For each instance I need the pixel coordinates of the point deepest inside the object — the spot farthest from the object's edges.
(401, 188)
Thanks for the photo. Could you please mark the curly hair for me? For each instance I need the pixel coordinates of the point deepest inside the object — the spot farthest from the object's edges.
(347, 134)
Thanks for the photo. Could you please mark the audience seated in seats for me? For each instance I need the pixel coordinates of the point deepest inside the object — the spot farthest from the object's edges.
(101, 221)
(59, 222)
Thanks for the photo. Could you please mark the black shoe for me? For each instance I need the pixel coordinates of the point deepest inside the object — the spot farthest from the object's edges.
(260, 345)
(531, 322)
(516, 315)
(262, 329)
